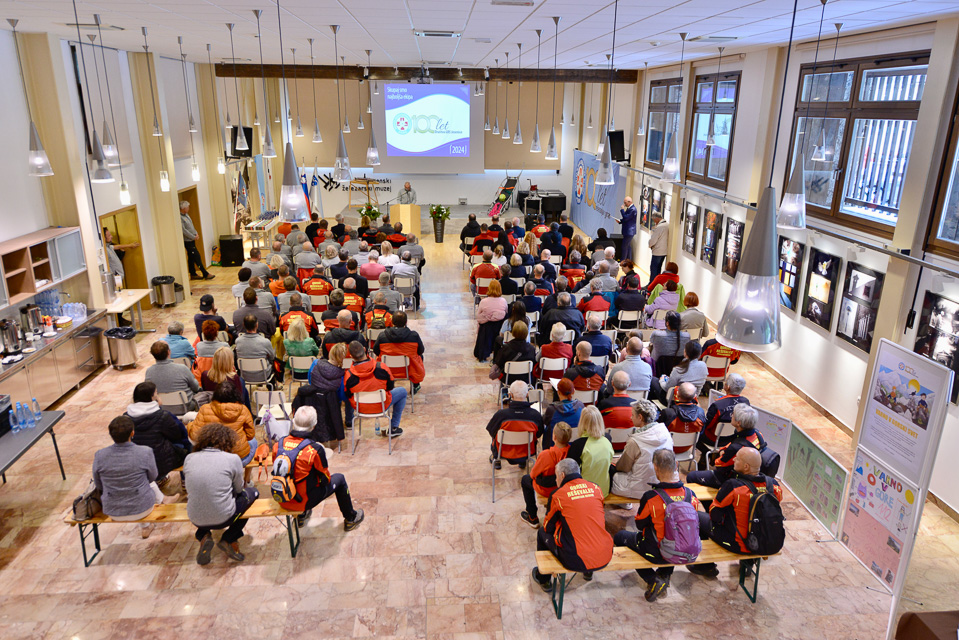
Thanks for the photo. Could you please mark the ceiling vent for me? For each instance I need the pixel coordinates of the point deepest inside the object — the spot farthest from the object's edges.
(713, 38)
(92, 26)
(437, 34)
(483, 40)
(512, 3)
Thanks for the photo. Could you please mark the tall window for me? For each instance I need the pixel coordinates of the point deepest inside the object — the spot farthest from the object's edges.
(858, 120)
(663, 118)
(714, 119)
(945, 236)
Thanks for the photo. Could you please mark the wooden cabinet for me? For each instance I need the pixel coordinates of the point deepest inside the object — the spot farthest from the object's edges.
(38, 261)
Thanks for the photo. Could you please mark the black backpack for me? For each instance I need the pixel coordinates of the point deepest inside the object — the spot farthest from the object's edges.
(770, 462)
(765, 533)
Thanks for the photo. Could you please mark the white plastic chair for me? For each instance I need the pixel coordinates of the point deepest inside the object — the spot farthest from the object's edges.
(407, 287)
(658, 314)
(569, 336)
(372, 335)
(534, 320)
(586, 397)
(619, 436)
(185, 361)
(319, 301)
(600, 361)
(272, 401)
(717, 362)
(482, 284)
(509, 298)
(723, 430)
(254, 371)
(681, 440)
(400, 362)
(176, 402)
(466, 251)
(507, 438)
(557, 260)
(551, 364)
(520, 282)
(638, 395)
(377, 397)
(524, 368)
(602, 315)
(300, 362)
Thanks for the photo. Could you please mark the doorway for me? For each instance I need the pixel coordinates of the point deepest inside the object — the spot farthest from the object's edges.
(124, 225)
(189, 194)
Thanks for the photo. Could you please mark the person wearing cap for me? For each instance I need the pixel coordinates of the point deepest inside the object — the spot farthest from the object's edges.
(208, 312)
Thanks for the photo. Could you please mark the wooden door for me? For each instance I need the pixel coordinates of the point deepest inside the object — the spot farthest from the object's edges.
(124, 224)
(190, 195)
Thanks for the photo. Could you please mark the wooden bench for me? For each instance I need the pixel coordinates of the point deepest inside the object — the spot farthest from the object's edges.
(261, 508)
(705, 494)
(625, 559)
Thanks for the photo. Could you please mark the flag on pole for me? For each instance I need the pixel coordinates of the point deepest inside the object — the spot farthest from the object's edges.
(315, 199)
(305, 187)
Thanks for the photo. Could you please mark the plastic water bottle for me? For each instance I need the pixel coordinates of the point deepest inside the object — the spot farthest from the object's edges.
(37, 414)
(377, 423)
(30, 421)
(14, 422)
(22, 417)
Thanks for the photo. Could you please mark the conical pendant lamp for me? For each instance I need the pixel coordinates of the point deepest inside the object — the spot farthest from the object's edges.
(342, 172)
(268, 150)
(518, 138)
(292, 200)
(38, 164)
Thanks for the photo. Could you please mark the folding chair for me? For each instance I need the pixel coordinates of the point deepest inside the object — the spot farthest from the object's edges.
(638, 395)
(520, 282)
(681, 440)
(300, 362)
(223, 336)
(239, 302)
(547, 365)
(407, 287)
(658, 314)
(520, 438)
(482, 284)
(185, 361)
(373, 285)
(534, 319)
(176, 402)
(372, 335)
(514, 369)
(400, 362)
(475, 260)
(586, 397)
(628, 320)
(273, 401)
(602, 315)
(377, 397)
(347, 363)
(600, 361)
(569, 336)
(254, 371)
(557, 260)
(537, 396)
(723, 430)
(466, 251)
(509, 298)
(619, 436)
(717, 362)
(319, 305)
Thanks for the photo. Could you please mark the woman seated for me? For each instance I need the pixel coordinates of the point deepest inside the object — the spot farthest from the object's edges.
(633, 473)
(627, 268)
(490, 314)
(555, 348)
(387, 257)
(498, 258)
(691, 369)
(593, 451)
(668, 342)
(670, 272)
(364, 227)
(299, 343)
(326, 377)
(504, 240)
(692, 319)
(210, 340)
(222, 370)
(516, 350)
(517, 313)
(517, 268)
(162, 432)
(227, 409)
(331, 256)
(668, 300)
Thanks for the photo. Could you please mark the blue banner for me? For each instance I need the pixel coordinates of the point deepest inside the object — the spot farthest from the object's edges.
(595, 206)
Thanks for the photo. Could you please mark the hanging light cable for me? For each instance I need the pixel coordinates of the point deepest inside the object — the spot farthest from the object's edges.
(711, 136)
(792, 208)
(641, 128)
(164, 175)
(518, 138)
(606, 175)
(124, 187)
(369, 87)
(496, 101)
(372, 151)
(109, 146)
(551, 152)
(241, 142)
(822, 151)
(346, 115)
(486, 126)
(535, 146)
(101, 174)
(296, 90)
(226, 99)
(220, 162)
(268, 150)
(342, 172)
(589, 107)
(37, 160)
(506, 111)
(609, 99)
(359, 105)
(671, 163)
(751, 320)
(194, 167)
(293, 207)
(317, 136)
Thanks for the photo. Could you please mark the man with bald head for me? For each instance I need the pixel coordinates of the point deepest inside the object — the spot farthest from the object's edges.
(585, 375)
(278, 251)
(343, 333)
(684, 415)
(307, 258)
(631, 362)
(548, 267)
(394, 299)
(538, 278)
(744, 420)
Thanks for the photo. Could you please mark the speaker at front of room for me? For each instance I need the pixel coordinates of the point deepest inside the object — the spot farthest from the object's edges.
(231, 251)
(617, 147)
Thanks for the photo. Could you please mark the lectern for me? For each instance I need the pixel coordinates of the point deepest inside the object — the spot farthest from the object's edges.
(409, 215)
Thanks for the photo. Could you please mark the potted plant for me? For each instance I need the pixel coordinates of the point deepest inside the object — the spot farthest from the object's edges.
(440, 215)
(370, 211)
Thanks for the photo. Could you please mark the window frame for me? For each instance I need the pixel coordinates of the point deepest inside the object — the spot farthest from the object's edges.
(713, 109)
(933, 243)
(850, 111)
(665, 108)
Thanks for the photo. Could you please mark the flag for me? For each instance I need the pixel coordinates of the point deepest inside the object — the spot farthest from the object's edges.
(241, 191)
(315, 199)
(306, 189)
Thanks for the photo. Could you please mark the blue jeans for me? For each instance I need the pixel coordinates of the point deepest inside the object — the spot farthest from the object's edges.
(656, 266)
(398, 404)
(253, 445)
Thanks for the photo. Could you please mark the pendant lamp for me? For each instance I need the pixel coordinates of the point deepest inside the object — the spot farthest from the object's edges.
(359, 107)
(641, 127)
(342, 172)
(506, 135)
(369, 88)
(220, 162)
(551, 152)
(711, 136)
(296, 89)
(38, 164)
(486, 126)
(241, 142)
(293, 206)
(535, 146)
(496, 102)
(606, 175)
(164, 176)
(268, 150)
(317, 136)
(346, 116)
(518, 138)
(109, 146)
(671, 163)
(101, 174)
(589, 107)
(372, 151)
(751, 320)
(191, 128)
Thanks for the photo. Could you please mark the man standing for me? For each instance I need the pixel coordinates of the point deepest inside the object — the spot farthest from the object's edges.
(628, 220)
(658, 245)
(193, 259)
(407, 195)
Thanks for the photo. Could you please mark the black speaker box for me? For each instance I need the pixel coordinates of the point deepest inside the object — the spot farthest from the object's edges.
(231, 251)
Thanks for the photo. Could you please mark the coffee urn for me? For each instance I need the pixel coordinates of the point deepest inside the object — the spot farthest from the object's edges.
(10, 337)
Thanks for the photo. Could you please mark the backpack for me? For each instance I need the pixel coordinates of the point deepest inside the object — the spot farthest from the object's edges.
(765, 533)
(88, 504)
(680, 543)
(770, 462)
(282, 485)
(378, 321)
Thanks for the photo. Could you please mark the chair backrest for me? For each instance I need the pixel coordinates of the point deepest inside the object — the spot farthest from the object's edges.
(176, 402)
(347, 363)
(542, 298)
(253, 369)
(611, 334)
(223, 336)
(301, 362)
(509, 298)
(659, 314)
(373, 285)
(476, 259)
(518, 368)
(262, 398)
(185, 361)
(533, 317)
(569, 335)
(537, 395)
(377, 397)
(586, 397)
(620, 436)
(407, 286)
(681, 440)
(397, 362)
(552, 364)
(319, 305)
(239, 302)
(629, 316)
(724, 430)
(716, 362)
(600, 361)
(638, 395)
(505, 437)
(520, 282)
(602, 315)
(557, 259)
(468, 241)
(373, 334)
(507, 336)
(482, 284)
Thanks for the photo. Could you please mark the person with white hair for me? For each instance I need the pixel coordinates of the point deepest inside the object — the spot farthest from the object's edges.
(633, 473)
(518, 231)
(610, 258)
(180, 346)
(607, 281)
(744, 420)
(719, 412)
(307, 258)
(310, 473)
(406, 269)
(519, 415)
(193, 259)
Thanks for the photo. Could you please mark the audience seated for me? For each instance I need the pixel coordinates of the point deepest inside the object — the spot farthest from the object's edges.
(627, 270)
(565, 314)
(343, 333)
(329, 318)
(170, 376)
(223, 369)
(617, 408)
(373, 268)
(518, 231)
(667, 300)
(516, 267)
(561, 285)
(298, 310)
(251, 344)
(417, 253)
(276, 285)
(485, 269)
(540, 227)
(651, 525)
(593, 451)
(218, 499)
(369, 375)
(509, 286)
(583, 373)
(692, 319)
(328, 241)
(159, 430)
(307, 258)
(352, 298)
(549, 269)
(228, 409)
(519, 415)
(394, 299)
(690, 369)
(340, 269)
(516, 312)
(379, 315)
(330, 256)
(533, 304)
(684, 415)
(634, 471)
(326, 377)
(387, 257)
(669, 342)
(208, 312)
(566, 409)
(544, 287)
(291, 288)
(352, 245)
(258, 268)
(516, 350)
(555, 348)
(631, 362)
(574, 271)
(264, 299)
(713, 347)
(744, 420)
(298, 245)
(243, 277)
(489, 314)
(400, 340)
(470, 230)
(542, 478)
(277, 250)
(595, 300)
(209, 341)
(298, 342)
(602, 344)
(360, 285)
(180, 347)
(338, 230)
(718, 412)
(406, 269)
(670, 273)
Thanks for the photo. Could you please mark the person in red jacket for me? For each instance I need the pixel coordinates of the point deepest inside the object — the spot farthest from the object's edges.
(595, 300)
(617, 409)
(368, 375)
(379, 311)
(520, 416)
(585, 375)
(400, 340)
(485, 269)
(729, 512)
(298, 311)
(575, 528)
(318, 286)
(713, 347)
(719, 412)
(747, 437)
(540, 227)
(671, 272)
(684, 415)
(311, 476)
(542, 479)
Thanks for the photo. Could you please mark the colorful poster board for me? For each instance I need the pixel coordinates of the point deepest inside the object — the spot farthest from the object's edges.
(815, 478)
(712, 229)
(880, 517)
(593, 205)
(822, 277)
(734, 246)
(859, 305)
(690, 225)
(938, 337)
(790, 266)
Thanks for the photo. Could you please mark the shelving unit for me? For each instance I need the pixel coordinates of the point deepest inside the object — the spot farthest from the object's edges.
(50, 255)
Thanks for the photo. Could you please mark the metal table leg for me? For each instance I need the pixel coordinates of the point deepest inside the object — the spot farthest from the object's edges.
(53, 436)
(140, 328)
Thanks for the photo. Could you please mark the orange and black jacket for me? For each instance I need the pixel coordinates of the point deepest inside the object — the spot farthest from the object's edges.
(518, 416)
(729, 513)
(330, 321)
(720, 411)
(574, 273)
(652, 510)
(713, 347)
(586, 376)
(617, 413)
(593, 302)
(354, 302)
(539, 230)
(308, 320)
(379, 311)
(544, 471)
(576, 525)
(309, 471)
(365, 376)
(727, 455)
(403, 341)
(683, 417)
(335, 336)
(317, 286)
(396, 239)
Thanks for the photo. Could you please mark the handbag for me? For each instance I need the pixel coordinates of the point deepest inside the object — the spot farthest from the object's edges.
(495, 373)
(88, 504)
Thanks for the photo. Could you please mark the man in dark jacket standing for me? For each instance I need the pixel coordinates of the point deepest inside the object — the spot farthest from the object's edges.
(628, 221)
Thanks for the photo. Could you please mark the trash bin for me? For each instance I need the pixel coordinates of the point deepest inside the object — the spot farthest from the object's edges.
(164, 292)
(123, 348)
(178, 292)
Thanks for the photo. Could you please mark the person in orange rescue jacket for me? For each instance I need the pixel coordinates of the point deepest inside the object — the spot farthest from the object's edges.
(400, 340)
(368, 375)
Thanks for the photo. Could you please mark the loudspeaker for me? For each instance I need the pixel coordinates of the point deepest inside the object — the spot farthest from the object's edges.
(617, 147)
(231, 251)
(246, 153)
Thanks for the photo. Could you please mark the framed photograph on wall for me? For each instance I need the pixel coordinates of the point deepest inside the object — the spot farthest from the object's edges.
(667, 205)
(644, 208)
(734, 246)
(938, 337)
(859, 305)
(790, 268)
(655, 203)
(712, 229)
(689, 228)
(822, 278)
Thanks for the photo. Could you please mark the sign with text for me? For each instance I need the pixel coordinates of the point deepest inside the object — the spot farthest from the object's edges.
(593, 205)
(427, 120)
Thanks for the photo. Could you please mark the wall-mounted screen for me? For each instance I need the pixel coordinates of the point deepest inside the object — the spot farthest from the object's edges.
(859, 305)
(822, 277)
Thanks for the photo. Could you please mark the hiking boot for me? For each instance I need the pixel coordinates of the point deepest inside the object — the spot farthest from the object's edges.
(532, 521)
(496, 463)
(395, 432)
(349, 525)
(655, 589)
(538, 579)
(206, 547)
(303, 517)
(231, 549)
(588, 576)
(416, 388)
(707, 570)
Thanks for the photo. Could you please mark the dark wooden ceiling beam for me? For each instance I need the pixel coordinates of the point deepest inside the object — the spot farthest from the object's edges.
(445, 74)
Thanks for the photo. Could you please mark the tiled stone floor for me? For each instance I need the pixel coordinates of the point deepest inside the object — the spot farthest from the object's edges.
(434, 557)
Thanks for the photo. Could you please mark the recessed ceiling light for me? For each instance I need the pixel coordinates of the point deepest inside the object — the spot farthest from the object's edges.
(713, 39)
(437, 34)
(483, 40)
(512, 3)
(655, 43)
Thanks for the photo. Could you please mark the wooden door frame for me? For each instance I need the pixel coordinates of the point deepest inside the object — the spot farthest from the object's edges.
(129, 269)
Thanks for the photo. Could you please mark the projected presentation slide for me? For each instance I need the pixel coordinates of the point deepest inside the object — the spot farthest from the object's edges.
(427, 121)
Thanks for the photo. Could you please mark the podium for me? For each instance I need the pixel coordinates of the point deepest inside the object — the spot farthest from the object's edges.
(409, 215)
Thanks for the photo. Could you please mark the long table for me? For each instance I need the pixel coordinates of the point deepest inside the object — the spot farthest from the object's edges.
(14, 445)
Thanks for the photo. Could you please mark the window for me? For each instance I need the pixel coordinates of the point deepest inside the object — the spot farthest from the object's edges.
(854, 126)
(945, 237)
(714, 118)
(663, 116)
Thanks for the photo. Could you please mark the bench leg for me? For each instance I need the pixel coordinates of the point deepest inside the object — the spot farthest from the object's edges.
(744, 573)
(559, 584)
(86, 530)
(293, 526)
